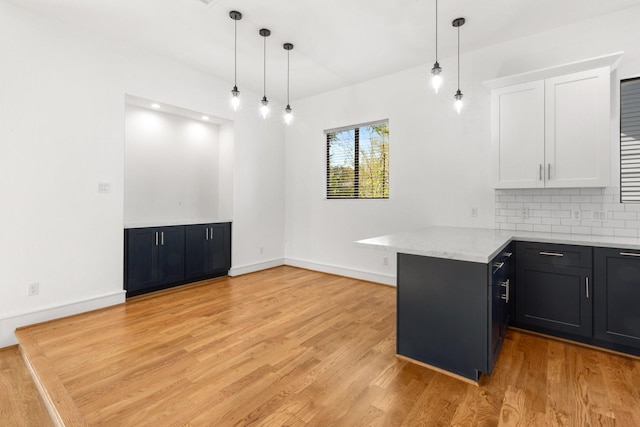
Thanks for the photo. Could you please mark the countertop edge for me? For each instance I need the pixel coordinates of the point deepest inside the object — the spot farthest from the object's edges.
(171, 223)
(508, 236)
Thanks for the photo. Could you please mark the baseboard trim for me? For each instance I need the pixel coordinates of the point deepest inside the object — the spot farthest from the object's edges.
(252, 268)
(8, 325)
(389, 280)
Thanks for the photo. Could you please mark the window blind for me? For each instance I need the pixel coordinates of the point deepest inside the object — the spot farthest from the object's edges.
(358, 162)
(630, 141)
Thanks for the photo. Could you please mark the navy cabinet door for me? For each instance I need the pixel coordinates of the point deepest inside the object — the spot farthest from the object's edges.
(171, 255)
(220, 247)
(142, 258)
(617, 293)
(555, 297)
(197, 262)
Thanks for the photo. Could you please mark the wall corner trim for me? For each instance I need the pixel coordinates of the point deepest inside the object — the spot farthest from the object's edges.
(252, 268)
(389, 280)
(8, 325)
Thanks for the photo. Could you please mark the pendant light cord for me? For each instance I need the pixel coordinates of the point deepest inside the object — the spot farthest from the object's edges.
(264, 67)
(458, 57)
(235, 53)
(436, 30)
(287, 77)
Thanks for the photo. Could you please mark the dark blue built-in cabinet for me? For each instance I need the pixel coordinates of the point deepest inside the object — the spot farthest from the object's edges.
(162, 257)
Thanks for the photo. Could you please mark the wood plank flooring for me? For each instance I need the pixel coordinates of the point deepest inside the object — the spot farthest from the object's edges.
(20, 403)
(291, 347)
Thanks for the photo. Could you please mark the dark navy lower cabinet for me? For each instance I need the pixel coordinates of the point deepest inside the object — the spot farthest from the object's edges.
(154, 257)
(617, 297)
(555, 288)
(208, 249)
(161, 257)
(452, 314)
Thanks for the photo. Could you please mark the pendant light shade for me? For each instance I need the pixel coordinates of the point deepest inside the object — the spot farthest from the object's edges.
(288, 111)
(436, 77)
(458, 104)
(235, 93)
(264, 104)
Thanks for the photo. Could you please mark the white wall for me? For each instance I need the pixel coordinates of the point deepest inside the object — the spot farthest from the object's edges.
(170, 167)
(440, 165)
(63, 110)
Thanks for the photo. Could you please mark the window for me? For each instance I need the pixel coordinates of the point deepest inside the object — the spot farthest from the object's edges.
(358, 162)
(630, 141)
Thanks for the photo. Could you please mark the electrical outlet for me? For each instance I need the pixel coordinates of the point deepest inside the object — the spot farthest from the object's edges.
(385, 260)
(34, 289)
(525, 213)
(576, 214)
(599, 215)
(474, 212)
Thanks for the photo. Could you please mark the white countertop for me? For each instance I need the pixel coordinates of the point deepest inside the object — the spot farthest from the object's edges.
(481, 244)
(168, 223)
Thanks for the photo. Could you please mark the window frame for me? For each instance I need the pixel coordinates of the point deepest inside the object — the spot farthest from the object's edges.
(620, 83)
(356, 128)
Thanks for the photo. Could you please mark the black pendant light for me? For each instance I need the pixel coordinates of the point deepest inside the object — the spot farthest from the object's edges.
(458, 22)
(436, 78)
(288, 111)
(235, 93)
(264, 104)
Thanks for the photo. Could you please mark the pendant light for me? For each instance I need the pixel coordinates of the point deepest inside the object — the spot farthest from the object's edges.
(235, 93)
(264, 104)
(288, 112)
(436, 78)
(458, 22)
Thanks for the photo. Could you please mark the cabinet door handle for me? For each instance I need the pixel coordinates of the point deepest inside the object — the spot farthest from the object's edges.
(162, 238)
(498, 266)
(207, 233)
(211, 233)
(586, 286)
(548, 171)
(156, 238)
(629, 254)
(550, 253)
(506, 290)
(507, 254)
(540, 173)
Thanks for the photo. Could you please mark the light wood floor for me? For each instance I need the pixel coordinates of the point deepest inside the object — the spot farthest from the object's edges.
(20, 403)
(294, 347)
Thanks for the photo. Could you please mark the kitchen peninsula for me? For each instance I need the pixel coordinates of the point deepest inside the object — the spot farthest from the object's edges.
(458, 289)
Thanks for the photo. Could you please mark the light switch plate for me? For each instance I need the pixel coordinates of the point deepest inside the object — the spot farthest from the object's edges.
(104, 187)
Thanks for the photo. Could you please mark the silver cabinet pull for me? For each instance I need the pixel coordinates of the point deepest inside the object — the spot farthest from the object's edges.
(629, 254)
(498, 266)
(156, 238)
(211, 233)
(506, 290)
(507, 254)
(540, 173)
(162, 238)
(548, 171)
(207, 233)
(586, 286)
(550, 253)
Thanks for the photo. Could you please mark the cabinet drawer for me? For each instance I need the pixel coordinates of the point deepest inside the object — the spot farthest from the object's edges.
(552, 254)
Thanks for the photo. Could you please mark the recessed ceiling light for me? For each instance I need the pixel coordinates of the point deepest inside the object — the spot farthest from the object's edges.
(154, 105)
(205, 118)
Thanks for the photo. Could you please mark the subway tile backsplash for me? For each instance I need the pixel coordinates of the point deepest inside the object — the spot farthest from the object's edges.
(567, 210)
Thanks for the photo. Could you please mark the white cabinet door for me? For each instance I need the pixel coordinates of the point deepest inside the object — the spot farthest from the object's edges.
(517, 114)
(577, 129)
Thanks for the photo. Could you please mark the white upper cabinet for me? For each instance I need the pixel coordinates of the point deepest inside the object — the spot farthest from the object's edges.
(577, 115)
(553, 131)
(518, 135)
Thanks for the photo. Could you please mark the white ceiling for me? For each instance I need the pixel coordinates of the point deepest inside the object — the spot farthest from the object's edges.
(337, 42)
